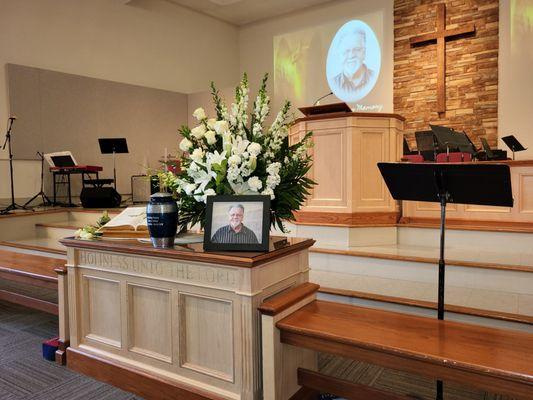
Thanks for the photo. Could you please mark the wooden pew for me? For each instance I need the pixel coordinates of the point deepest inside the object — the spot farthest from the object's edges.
(31, 270)
(496, 360)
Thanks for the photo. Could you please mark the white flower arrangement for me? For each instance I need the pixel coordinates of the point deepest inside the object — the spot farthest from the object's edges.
(226, 155)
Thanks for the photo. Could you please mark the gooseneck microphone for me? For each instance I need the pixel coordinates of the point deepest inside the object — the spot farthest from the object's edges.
(317, 102)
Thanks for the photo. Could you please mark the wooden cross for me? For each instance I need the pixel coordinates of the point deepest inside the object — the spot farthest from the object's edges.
(440, 35)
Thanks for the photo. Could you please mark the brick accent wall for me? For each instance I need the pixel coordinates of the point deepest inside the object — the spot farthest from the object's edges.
(471, 68)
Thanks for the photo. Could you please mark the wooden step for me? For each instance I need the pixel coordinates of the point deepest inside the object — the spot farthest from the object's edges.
(494, 359)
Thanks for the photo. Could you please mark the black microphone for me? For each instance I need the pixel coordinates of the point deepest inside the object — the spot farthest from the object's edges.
(317, 102)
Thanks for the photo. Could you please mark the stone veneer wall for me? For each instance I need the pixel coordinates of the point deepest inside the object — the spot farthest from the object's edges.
(471, 68)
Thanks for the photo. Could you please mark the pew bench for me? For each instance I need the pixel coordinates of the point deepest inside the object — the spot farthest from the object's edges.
(497, 360)
(31, 270)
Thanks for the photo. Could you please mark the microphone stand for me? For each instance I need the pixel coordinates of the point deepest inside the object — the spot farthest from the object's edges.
(46, 200)
(317, 102)
(13, 205)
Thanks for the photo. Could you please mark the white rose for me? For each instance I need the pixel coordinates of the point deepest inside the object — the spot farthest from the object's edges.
(211, 123)
(197, 155)
(210, 137)
(185, 144)
(234, 160)
(221, 127)
(199, 114)
(254, 148)
(255, 183)
(198, 132)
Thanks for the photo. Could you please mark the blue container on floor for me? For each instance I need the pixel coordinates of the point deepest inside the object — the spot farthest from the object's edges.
(50, 347)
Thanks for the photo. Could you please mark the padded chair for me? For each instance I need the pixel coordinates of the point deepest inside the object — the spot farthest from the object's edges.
(453, 157)
(413, 158)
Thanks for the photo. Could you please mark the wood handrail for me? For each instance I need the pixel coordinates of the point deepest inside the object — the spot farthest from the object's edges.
(284, 300)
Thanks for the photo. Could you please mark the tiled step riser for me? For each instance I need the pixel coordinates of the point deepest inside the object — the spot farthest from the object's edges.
(327, 236)
(54, 234)
(23, 227)
(490, 241)
(498, 290)
(490, 322)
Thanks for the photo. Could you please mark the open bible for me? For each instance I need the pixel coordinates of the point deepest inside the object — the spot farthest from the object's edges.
(130, 223)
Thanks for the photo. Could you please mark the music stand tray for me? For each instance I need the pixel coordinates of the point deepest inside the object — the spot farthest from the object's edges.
(113, 146)
(513, 144)
(481, 184)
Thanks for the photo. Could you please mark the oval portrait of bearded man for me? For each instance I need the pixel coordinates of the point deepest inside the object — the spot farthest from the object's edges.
(354, 61)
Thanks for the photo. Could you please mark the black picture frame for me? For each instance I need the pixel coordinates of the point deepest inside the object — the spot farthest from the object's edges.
(218, 203)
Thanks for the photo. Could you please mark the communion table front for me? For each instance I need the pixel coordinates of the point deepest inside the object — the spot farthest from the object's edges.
(173, 320)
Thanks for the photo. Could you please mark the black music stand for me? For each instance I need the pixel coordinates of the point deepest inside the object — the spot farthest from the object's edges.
(113, 146)
(513, 144)
(45, 200)
(482, 184)
(426, 144)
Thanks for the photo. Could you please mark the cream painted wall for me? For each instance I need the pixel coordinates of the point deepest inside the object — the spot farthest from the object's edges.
(256, 40)
(515, 92)
(151, 43)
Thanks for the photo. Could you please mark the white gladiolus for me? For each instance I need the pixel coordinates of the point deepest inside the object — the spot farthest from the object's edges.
(221, 127)
(211, 123)
(198, 132)
(269, 192)
(197, 155)
(185, 144)
(254, 148)
(255, 183)
(234, 160)
(210, 137)
(199, 114)
(273, 169)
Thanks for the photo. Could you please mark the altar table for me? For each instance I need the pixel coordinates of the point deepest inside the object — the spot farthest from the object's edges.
(160, 322)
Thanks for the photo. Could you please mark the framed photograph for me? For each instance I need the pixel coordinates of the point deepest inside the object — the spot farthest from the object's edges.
(237, 223)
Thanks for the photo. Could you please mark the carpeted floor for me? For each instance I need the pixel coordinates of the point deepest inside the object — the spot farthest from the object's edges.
(25, 375)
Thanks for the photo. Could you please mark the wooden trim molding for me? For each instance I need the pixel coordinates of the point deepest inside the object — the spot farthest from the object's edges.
(26, 301)
(349, 114)
(305, 394)
(132, 380)
(33, 247)
(523, 319)
(382, 218)
(467, 225)
(286, 299)
(343, 388)
(235, 259)
(61, 352)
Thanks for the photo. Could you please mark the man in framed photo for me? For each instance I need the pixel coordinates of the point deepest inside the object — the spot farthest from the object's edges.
(235, 231)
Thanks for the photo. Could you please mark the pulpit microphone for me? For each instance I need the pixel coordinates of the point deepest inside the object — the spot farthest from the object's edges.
(317, 102)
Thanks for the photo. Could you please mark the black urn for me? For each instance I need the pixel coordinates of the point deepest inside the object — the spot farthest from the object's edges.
(162, 219)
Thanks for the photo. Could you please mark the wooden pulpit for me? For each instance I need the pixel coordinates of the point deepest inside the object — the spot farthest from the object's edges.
(347, 148)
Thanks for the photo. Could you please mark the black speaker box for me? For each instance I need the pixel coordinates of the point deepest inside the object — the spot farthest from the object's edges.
(100, 197)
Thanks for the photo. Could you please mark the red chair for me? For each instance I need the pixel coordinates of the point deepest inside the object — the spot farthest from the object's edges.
(453, 157)
(414, 158)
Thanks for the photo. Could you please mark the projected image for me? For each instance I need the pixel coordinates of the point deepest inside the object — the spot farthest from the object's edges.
(354, 61)
(522, 27)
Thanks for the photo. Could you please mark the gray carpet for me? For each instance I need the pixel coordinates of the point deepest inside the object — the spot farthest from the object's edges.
(25, 375)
